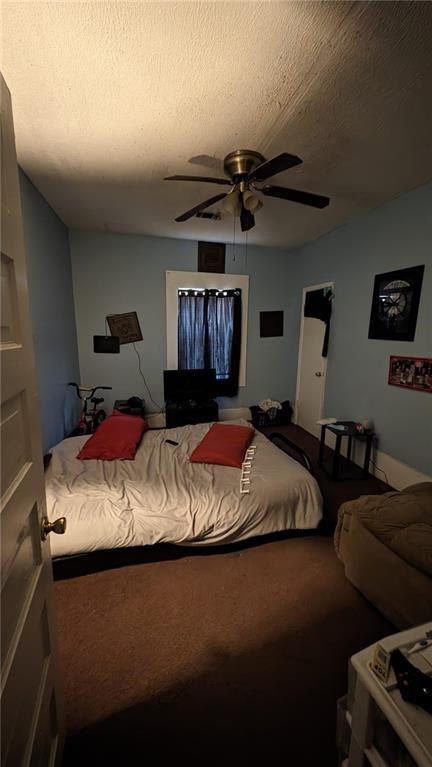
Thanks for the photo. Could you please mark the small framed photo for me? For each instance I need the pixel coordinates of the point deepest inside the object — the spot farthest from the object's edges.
(271, 324)
(411, 373)
(395, 303)
(211, 257)
(126, 327)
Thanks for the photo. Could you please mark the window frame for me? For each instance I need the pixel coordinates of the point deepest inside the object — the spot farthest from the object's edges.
(176, 281)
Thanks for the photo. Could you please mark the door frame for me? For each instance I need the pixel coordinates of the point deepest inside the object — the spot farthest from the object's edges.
(306, 289)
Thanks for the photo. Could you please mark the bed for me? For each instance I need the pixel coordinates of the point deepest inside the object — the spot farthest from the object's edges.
(161, 497)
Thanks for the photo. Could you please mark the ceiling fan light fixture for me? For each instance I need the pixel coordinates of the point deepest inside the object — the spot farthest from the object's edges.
(251, 203)
(232, 204)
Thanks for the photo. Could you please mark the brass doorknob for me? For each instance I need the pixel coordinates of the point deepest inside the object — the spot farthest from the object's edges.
(58, 526)
(319, 375)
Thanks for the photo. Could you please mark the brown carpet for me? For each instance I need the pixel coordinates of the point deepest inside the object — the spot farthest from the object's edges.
(234, 658)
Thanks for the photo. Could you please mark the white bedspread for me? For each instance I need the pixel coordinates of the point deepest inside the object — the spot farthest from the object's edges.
(162, 497)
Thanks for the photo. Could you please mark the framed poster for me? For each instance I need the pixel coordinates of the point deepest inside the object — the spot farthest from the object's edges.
(395, 304)
(271, 324)
(126, 327)
(211, 257)
(411, 373)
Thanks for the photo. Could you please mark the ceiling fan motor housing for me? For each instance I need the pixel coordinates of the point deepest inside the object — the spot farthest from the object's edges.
(239, 163)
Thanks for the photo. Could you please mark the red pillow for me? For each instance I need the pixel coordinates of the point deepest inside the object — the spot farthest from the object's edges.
(224, 444)
(117, 438)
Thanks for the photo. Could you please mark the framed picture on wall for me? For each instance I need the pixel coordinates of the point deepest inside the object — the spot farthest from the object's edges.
(395, 303)
(411, 373)
(211, 257)
(271, 324)
(125, 326)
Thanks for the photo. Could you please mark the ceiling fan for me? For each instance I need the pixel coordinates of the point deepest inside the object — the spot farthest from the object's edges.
(244, 169)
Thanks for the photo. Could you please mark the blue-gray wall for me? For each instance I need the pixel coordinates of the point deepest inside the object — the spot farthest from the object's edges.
(52, 313)
(395, 235)
(118, 273)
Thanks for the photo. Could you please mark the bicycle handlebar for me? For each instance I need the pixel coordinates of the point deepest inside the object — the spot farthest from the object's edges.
(90, 389)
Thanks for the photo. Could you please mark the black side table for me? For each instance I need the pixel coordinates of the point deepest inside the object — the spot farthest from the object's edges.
(351, 433)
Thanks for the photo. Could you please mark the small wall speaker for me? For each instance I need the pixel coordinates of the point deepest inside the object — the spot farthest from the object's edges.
(106, 344)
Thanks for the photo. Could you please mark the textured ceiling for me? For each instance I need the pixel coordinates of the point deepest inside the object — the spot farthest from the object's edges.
(110, 97)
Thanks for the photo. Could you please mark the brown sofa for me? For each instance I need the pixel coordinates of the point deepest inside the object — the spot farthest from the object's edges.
(385, 543)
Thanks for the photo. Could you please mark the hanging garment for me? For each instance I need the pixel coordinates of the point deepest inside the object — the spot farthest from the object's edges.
(318, 304)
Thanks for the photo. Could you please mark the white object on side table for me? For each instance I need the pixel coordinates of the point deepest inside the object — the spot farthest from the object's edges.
(377, 718)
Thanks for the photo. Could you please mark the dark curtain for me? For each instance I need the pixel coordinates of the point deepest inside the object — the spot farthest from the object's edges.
(192, 311)
(318, 304)
(209, 335)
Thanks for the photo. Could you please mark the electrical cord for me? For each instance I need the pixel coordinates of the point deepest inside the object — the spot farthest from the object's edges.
(144, 380)
(377, 468)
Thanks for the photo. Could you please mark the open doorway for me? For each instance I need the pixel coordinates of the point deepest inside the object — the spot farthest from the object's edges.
(312, 366)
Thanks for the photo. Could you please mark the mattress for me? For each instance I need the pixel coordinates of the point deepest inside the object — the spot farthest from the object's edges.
(161, 497)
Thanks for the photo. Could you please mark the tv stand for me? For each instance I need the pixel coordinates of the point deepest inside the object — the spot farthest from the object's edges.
(182, 413)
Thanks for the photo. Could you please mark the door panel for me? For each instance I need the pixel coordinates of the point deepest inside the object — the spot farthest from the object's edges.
(28, 671)
(32, 720)
(18, 576)
(14, 433)
(9, 312)
(45, 744)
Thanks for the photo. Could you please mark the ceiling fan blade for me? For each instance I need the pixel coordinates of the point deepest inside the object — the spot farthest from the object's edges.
(201, 206)
(209, 179)
(296, 195)
(247, 220)
(277, 164)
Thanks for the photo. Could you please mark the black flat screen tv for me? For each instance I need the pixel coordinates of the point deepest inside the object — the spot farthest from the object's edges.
(181, 385)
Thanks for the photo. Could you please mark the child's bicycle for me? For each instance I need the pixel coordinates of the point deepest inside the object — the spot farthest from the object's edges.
(89, 418)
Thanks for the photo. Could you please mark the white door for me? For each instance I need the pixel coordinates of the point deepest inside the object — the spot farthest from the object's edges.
(311, 373)
(31, 705)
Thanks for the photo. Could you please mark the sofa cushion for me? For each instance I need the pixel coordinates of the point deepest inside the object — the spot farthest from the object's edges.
(400, 520)
(397, 589)
(414, 544)
(385, 543)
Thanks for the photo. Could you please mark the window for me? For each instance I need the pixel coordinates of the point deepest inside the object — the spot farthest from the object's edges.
(209, 334)
(176, 280)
